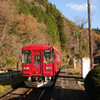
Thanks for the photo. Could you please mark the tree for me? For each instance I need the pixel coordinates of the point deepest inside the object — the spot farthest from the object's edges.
(81, 21)
(80, 35)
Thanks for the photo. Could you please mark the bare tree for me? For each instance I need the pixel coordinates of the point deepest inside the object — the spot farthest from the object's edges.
(81, 21)
(79, 34)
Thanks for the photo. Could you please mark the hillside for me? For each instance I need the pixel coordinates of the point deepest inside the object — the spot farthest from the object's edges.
(97, 41)
(24, 22)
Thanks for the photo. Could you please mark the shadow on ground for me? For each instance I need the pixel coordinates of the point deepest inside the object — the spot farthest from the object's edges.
(57, 93)
(68, 94)
(70, 77)
(8, 85)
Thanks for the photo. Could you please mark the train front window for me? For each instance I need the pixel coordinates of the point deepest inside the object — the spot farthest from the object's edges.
(26, 56)
(37, 58)
(48, 56)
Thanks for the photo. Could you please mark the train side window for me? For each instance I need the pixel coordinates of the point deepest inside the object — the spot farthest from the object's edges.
(37, 59)
(26, 56)
(48, 56)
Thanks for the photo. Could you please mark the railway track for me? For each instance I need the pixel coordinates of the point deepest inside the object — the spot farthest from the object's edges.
(41, 94)
(26, 94)
(19, 93)
(23, 93)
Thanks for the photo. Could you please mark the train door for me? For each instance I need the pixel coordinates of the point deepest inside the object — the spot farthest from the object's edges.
(37, 62)
(48, 63)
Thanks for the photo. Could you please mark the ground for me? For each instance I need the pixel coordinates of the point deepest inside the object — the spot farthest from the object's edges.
(68, 87)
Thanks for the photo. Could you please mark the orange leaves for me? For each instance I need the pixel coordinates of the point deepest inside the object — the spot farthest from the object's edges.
(7, 11)
(27, 25)
(96, 36)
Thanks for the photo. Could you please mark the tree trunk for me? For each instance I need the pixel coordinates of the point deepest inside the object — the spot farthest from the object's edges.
(90, 35)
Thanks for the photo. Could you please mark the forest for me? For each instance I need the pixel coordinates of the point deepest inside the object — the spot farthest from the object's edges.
(26, 22)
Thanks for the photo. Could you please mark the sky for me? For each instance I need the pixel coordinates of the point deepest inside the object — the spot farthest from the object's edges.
(77, 10)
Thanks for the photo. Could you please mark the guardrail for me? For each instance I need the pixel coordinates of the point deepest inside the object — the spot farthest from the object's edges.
(8, 76)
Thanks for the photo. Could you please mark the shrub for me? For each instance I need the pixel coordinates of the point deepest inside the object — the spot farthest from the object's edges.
(92, 83)
(71, 62)
(9, 61)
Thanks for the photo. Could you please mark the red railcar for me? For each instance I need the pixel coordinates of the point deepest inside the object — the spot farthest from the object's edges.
(40, 64)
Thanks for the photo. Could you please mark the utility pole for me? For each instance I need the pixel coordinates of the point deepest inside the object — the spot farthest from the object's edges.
(90, 35)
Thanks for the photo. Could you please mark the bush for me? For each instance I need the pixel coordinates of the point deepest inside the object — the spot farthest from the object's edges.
(71, 62)
(92, 83)
(9, 61)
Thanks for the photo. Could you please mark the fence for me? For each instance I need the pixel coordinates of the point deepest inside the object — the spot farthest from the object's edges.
(9, 76)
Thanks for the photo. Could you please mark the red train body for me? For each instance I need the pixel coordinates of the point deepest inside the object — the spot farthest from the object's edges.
(40, 64)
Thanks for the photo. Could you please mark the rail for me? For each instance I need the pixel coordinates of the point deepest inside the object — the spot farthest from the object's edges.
(8, 76)
(39, 98)
(22, 93)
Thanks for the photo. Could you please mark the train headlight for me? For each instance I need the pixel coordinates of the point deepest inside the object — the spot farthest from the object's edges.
(48, 68)
(25, 68)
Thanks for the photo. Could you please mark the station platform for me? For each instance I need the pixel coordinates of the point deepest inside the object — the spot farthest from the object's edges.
(69, 85)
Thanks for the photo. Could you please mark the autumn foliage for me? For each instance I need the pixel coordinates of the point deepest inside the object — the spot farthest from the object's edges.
(26, 22)
(27, 26)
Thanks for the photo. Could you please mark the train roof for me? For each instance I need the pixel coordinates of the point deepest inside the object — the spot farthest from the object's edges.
(39, 46)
